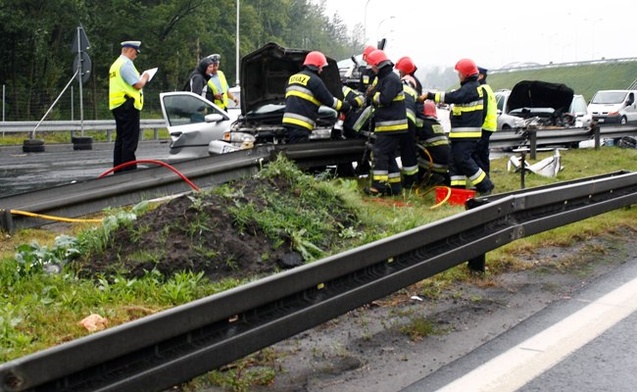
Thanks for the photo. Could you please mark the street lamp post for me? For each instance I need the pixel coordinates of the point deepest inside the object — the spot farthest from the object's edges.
(379, 32)
(237, 46)
(365, 21)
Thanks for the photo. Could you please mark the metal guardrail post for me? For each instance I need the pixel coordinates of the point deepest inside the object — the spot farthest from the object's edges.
(596, 133)
(6, 220)
(532, 144)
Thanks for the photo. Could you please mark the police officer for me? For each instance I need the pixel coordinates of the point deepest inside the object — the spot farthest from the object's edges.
(218, 88)
(305, 92)
(466, 128)
(390, 122)
(126, 100)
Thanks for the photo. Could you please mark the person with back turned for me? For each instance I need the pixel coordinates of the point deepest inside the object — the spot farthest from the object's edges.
(126, 100)
(305, 92)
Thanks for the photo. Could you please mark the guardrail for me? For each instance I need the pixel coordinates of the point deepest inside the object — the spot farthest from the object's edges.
(77, 126)
(91, 196)
(176, 345)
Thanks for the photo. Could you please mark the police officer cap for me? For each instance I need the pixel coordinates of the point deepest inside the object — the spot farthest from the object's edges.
(132, 44)
(482, 71)
(216, 58)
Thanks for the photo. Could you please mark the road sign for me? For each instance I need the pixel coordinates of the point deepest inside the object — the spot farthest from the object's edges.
(80, 36)
(83, 62)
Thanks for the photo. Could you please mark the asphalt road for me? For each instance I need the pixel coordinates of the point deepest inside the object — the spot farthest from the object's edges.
(585, 343)
(60, 164)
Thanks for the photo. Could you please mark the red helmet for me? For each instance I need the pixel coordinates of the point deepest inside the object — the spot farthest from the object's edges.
(316, 59)
(368, 49)
(376, 57)
(467, 67)
(429, 109)
(405, 65)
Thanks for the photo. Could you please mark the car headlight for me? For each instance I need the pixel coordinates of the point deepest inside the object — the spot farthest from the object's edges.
(238, 137)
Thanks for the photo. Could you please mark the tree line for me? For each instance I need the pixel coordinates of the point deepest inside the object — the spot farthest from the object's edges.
(37, 58)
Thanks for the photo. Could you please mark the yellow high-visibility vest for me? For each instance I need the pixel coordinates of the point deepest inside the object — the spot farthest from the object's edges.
(224, 86)
(119, 89)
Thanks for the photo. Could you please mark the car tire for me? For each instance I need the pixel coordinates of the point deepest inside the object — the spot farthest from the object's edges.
(82, 143)
(33, 145)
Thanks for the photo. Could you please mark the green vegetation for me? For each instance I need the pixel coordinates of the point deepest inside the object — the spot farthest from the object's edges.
(37, 59)
(584, 79)
(42, 297)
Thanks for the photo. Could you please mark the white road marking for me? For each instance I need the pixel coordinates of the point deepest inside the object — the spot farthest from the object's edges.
(514, 368)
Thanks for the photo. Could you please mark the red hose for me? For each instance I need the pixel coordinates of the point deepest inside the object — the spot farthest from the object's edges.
(164, 164)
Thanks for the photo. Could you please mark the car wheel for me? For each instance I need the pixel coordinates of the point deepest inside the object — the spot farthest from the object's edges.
(623, 120)
(82, 143)
(33, 145)
(506, 127)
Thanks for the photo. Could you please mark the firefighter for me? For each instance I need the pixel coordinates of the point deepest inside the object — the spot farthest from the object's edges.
(408, 150)
(305, 92)
(408, 153)
(407, 71)
(466, 128)
(434, 151)
(390, 122)
(367, 75)
(490, 123)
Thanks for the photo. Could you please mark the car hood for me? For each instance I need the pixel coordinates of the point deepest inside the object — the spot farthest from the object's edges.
(538, 94)
(265, 72)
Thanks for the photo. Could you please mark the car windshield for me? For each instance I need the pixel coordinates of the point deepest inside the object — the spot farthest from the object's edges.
(184, 109)
(609, 97)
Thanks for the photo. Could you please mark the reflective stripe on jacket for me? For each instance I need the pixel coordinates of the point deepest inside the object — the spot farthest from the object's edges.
(390, 114)
(466, 113)
(119, 90)
(304, 94)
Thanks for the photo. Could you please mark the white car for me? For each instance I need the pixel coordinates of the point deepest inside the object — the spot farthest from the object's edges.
(193, 123)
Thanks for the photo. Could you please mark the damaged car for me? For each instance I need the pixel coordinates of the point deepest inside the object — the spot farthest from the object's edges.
(542, 104)
(198, 128)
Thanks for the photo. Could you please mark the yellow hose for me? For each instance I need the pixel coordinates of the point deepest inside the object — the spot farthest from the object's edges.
(54, 218)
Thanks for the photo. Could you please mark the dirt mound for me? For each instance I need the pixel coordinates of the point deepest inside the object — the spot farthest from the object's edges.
(211, 232)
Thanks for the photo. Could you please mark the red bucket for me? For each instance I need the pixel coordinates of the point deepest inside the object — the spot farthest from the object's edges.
(454, 196)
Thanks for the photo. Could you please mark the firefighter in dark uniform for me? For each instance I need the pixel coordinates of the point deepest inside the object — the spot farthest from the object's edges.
(466, 128)
(390, 121)
(367, 75)
(305, 92)
(434, 151)
(408, 149)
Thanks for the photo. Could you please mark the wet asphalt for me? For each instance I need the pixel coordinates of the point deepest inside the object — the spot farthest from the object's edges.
(60, 164)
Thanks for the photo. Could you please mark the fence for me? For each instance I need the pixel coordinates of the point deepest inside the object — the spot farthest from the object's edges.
(76, 126)
(24, 104)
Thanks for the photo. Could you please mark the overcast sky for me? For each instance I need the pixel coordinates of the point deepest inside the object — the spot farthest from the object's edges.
(495, 32)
